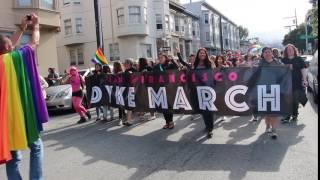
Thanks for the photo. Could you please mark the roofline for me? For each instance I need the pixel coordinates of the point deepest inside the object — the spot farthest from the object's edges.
(183, 9)
(215, 10)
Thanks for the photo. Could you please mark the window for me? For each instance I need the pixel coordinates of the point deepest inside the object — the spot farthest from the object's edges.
(77, 2)
(206, 18)
(114, 52)
(73, 57)
(193, 29)
(159, 21)
(76, 55)
(24, 3)
(79, 25)
(167, 22)
(47, 4)
(80, 56)
(25, 39)
(212, 20)
(145, 15)
(146, 50)
(120, 14)
(134, 15)
(67, 27)
(176, 20)
(66, 2)
(207, 36)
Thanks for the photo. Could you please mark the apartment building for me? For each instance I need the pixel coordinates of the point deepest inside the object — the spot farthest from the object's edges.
(11, 13)
(144, 28)
(76, 44)
(217, 32)
(131, 29)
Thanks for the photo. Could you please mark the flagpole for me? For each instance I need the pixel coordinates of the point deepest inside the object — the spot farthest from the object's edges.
(97, 22)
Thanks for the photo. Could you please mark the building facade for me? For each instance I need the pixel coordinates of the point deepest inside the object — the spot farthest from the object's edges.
(144, 28)
(12, 12)
(131, 29)
(77, 40)
(218, 33)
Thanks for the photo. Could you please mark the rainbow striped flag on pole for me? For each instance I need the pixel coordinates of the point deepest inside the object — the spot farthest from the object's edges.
(99, 58)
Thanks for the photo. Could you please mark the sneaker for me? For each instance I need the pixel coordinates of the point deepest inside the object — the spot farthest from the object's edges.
(152, 118)
(120, 122)
(254, 119)
(209, 135)
(82, 120)
(268, 130)
(285, 120)
(141, 118)
(88, 115)
(127, 124)
(98, 119)
(294, 118)
(274, 134)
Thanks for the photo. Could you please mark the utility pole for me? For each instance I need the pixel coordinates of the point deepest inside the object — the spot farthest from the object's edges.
(97, 22)
(295, 15)
(295, 20)
(306, 29)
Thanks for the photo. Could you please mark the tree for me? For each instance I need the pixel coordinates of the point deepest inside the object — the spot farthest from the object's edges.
(294, 37)
(314, 21)
(243, 33)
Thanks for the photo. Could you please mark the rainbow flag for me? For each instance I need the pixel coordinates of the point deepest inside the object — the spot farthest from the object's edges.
(22, 109)
(99, 58)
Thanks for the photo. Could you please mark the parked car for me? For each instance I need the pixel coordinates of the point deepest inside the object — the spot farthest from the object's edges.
(59, 97)
(313, 77)
(307, 59)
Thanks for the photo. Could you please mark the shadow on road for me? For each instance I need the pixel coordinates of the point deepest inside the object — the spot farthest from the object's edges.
(153, 152)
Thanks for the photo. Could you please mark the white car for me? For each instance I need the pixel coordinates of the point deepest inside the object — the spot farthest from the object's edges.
(59, 97)
(313, 76)
(307, 59)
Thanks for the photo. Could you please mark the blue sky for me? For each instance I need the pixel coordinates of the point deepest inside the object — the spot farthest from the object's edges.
(264, 18)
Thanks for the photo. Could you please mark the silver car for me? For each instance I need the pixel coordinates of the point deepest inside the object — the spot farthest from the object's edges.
(59, 97)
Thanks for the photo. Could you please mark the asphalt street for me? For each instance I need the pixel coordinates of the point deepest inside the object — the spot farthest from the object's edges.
(238, 150)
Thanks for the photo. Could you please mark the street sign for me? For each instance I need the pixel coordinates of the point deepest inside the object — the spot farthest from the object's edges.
(304, 37)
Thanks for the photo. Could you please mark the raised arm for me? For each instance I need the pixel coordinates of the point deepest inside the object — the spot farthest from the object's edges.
(15, 38)
(181, 61)
(35, 31)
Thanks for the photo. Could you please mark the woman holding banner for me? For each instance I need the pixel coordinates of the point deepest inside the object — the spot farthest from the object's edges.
(97, 71)
(107, 70)
(166, 64)
(118, 69)
(202, 62)
(267, 61)
(299, 79)
(144, 67)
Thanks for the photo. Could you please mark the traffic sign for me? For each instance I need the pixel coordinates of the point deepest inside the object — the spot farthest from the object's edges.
(304, 36)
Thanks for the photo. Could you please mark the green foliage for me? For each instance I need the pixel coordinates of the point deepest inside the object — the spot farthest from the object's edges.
(243, 33)
(314, 21)
(293, 37)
